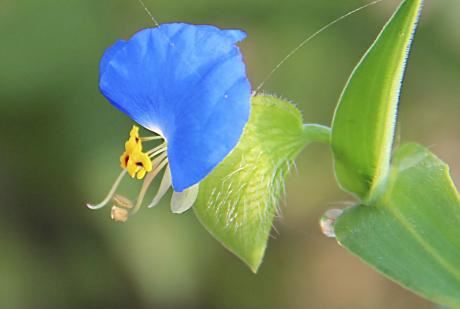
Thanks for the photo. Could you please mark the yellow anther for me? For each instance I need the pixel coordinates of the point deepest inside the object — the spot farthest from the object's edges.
(142, 162)
(134, 142)
(134, 131)
(124, 159)
(136, 162)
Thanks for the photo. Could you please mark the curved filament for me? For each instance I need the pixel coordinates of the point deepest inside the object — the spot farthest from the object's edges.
(110, 194)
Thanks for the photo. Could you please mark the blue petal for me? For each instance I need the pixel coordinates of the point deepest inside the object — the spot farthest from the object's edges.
(109, 53)
(187, 83)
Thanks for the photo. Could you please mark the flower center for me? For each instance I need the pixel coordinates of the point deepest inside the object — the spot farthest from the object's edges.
(138, 164)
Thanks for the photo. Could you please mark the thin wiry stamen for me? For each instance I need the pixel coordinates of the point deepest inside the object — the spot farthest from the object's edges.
(165, 184)
(159, 163)
(157, 152)
(157, 148)
(110, 194)
(151, 138)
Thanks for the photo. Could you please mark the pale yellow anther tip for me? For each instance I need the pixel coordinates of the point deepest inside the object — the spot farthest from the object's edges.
(122, 201)
(119, 214)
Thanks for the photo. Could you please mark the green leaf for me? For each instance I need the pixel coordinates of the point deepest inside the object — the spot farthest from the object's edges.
(363, 125)
(412, 232)
(238, 200)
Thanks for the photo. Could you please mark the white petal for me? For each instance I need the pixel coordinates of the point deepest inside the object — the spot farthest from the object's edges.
(182, 201)
(164, 186)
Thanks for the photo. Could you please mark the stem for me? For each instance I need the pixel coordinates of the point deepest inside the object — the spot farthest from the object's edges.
(317, 133)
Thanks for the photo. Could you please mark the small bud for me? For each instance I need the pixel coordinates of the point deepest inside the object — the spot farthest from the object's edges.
(327, 221)
(122, 201)
(119, 214)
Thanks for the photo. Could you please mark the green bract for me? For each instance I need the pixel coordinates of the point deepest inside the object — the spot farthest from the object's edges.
(238, 200)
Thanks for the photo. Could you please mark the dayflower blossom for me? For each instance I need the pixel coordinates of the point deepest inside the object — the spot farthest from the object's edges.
(186, 84)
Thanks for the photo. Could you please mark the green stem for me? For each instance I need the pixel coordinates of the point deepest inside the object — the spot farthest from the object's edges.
(317, 133)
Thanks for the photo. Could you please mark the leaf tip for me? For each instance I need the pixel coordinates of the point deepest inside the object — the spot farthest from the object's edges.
(255, 260)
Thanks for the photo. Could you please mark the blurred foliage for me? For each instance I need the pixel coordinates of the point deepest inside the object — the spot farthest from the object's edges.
(61, 142)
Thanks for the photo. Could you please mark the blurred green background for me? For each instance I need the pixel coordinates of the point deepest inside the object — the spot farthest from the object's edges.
(61, 141)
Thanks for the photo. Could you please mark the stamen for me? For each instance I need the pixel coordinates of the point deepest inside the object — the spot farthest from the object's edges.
(150, 138)
(110, 194)
(164, 186)
(158, 152)
(156, 149)
(158, 164)
(119, 214)
(122, 201)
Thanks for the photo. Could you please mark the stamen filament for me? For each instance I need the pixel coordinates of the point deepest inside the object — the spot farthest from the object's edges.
(165, 184)
(157, 152)
(159, 147)
(158, 164)
(151, 138)
(109, 196)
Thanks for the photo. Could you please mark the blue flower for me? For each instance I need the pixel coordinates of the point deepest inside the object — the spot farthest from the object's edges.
(186, 83)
